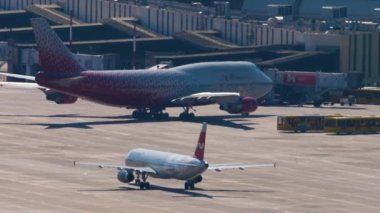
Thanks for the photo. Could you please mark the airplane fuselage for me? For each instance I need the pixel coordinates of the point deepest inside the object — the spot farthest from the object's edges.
(156, 88)
(165, 164)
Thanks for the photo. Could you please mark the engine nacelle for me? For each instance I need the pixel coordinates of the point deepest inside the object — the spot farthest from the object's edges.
(125, 177)
(60, 98)
(244, 105)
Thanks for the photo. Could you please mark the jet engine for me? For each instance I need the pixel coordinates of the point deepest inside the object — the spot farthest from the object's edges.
(125, 177)
(244, 105)
(59, 98)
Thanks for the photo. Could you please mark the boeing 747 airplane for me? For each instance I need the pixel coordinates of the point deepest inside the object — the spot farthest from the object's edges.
(235, 86)
(143, 163)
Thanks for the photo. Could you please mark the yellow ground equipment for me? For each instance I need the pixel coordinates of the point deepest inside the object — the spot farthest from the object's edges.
(368, 95)
(302, 123)
(352, 125)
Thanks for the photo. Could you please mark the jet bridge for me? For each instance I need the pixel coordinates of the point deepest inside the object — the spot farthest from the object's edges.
(129, 26)
(52, 13)
(204, 40)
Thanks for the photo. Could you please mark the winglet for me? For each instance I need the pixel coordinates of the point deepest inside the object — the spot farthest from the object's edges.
(200, 149)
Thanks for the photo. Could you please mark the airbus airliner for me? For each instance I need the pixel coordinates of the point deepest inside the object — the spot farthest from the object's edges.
(235, 86)
(143, 163)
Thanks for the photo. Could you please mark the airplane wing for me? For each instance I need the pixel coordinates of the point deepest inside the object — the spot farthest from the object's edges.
(118, 167)
(159, 67)
(21, 85)
(25, 77)
(220, 167)
(207, 98)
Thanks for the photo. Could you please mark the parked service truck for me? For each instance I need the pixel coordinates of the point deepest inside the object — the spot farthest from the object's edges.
(301, 87)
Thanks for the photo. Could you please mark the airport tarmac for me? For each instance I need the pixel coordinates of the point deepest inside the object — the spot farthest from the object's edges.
(316, 172)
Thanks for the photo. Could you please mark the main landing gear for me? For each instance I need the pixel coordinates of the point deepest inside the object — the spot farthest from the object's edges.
(159, 114)
(143, 183)
(186, 115)
(150, 114)
(246, 114)
(190, 184)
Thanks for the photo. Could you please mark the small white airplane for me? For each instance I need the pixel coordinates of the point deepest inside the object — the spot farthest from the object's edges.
(156, 164)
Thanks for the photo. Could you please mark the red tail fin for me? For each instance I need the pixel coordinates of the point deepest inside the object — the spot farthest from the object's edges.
(200, 149)
(54, 56)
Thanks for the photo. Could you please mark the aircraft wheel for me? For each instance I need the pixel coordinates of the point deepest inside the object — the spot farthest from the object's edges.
(142, 185)
(182, 116)
(245, 114)
(161, 116)
(317, 103)
(137, 182)
(191, 115)
(147, 185)
(191, 186)
(157, 116)
(136, 114)
(147, 116)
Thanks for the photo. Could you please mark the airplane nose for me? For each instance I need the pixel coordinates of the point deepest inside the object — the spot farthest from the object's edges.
(265, 79)
(266, 83)
(262, 83)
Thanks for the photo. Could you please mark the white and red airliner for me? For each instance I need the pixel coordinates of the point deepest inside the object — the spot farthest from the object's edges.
(143, 163)
(235, 86)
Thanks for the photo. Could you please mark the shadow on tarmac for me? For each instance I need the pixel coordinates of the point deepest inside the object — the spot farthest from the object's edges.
(221, 120)
(325, 107)
(181, 192)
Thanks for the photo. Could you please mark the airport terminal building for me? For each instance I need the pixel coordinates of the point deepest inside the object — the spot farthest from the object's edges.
(347, 29)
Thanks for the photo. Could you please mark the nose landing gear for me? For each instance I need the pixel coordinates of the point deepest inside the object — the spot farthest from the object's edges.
(144, 184)
(186, 115)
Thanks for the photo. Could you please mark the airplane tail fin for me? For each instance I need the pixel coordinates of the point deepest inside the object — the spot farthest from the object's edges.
(200, 149)
(54, 56)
